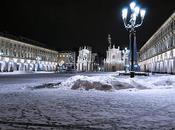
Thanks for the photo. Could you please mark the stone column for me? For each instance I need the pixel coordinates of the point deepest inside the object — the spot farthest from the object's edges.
(80, 65)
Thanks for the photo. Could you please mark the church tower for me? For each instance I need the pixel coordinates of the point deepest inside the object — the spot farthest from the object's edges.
(109, 40)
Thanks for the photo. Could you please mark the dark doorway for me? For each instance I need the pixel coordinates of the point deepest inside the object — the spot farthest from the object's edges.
(113, 68)
(17, 67)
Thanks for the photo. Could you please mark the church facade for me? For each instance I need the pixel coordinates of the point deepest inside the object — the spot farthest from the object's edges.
(20, 56)
(85, 60)
(116, 59)
(158, 53)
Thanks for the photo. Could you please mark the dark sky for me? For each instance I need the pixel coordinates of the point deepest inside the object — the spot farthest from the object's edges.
(68, 24)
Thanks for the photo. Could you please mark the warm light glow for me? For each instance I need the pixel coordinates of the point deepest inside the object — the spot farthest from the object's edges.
(15, 60)
(6, 59)
(136, 10)
(142, 13)
(124, 13)
(132, 5)
(38, 58)
(22, 60)
(28, 61)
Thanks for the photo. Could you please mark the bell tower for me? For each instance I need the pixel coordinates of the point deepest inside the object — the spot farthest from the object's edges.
(109, 40)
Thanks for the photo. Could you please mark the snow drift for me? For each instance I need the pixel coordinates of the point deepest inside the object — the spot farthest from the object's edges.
(103, 83)
(114, 82)
(87, 85)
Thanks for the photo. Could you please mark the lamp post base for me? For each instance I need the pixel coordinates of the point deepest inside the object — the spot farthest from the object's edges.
(132, 74)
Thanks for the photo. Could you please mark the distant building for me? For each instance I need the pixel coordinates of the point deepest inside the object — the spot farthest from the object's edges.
(24, 56)
(85, 60)
(95, 59)
(66, 61)
(158, 53)
(116, 59)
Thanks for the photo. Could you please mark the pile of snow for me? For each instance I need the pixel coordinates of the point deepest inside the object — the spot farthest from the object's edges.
(160, 82)
(103, 83)
(112, 82)
(153, 82)
(87, 85)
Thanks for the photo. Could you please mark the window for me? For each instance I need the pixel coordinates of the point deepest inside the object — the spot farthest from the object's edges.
(113, 57)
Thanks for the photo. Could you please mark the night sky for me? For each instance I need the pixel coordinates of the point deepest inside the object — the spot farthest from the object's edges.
(68, 24)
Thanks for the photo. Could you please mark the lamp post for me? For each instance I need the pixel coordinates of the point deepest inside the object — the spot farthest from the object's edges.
(136, 15)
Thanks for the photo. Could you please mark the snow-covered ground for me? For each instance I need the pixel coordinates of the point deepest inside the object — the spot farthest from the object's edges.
(121, 82)
(144, 103)
(24, 72)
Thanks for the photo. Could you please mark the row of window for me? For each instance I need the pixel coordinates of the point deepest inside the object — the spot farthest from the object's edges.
(13, 49)
(162, 57)
(162, 41)
(64, 55)
(159, 48)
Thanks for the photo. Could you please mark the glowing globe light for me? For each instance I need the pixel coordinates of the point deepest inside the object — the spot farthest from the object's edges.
(142, 13)
(136, 10)
(132, 5)
(124, 13)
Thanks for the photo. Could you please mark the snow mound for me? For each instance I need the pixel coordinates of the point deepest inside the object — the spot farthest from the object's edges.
(87, 85)
(165, 82)
(103, 83)
(113, 82)
(154, 82)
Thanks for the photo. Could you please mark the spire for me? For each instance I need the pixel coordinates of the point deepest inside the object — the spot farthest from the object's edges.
(109, 40)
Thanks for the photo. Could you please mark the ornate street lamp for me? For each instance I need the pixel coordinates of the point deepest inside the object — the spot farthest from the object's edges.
(135, 20)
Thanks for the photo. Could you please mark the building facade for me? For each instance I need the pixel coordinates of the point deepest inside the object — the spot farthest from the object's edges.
(66, 61)
(85, 60)
(116, 59)
(96, 62)
(20, 56)
(158, 53)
